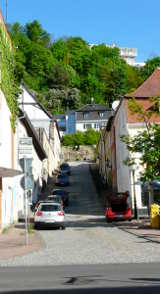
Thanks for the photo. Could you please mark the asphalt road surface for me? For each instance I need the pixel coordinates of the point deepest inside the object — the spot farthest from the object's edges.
(97, 279)
(88, 239)
(90, 256)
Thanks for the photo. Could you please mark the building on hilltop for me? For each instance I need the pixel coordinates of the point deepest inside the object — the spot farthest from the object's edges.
(128, 54)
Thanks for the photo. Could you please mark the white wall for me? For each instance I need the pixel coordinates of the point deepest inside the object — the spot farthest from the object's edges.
(5, 133)
(37, 116)
(37, 166)
(10, 198)
(80, 125)
(57, 147)
(125, 173)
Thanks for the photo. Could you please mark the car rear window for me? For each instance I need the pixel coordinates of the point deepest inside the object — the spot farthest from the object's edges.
(46, 207)
(58, 199)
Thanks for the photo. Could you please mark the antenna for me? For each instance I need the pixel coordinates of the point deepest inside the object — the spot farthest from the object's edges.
(115, 105)
(6, 1)
(92, 100)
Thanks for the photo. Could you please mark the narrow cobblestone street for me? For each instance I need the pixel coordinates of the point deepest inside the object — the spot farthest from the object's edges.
(88, 239)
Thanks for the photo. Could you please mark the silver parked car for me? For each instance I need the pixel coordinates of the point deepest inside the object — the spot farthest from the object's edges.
(49, 214)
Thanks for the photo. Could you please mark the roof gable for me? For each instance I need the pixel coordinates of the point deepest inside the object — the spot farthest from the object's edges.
(93, 107)
(29, 103)
(150, 88)
(147, 105)
(32, 133)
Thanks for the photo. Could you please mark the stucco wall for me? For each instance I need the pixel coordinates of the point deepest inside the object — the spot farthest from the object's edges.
(84, 153)
(5, 133)
(55, 144)
(9, 197)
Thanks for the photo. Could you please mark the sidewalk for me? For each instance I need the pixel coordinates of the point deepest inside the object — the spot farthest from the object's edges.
(12, 242)
(141, 229)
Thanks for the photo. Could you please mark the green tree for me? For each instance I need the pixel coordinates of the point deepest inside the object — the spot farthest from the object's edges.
(91, 137)
(146, 142)
(60, 51)
(36, 33)
(70, 63)
(58, 77)
(150, 66)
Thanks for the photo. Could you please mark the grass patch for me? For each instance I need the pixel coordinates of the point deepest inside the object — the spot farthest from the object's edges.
(30, 228)
(5, 230)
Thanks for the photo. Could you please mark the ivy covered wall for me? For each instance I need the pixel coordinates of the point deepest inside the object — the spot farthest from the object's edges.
(8, 82)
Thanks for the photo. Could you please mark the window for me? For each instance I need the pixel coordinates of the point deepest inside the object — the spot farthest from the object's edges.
(87, 126)
(101, 114)
(96, 126)
(49, 207)
(86, 115)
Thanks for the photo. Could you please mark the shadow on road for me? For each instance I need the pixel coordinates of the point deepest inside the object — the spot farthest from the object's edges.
(89, 223)
(102, 290)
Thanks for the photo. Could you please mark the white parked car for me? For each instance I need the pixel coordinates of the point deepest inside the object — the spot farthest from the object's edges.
(49, 214)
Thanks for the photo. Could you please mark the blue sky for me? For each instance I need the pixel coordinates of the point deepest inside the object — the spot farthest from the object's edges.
(126, 23)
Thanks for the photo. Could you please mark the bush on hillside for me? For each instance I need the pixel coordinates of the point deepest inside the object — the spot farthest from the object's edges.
(90, 137)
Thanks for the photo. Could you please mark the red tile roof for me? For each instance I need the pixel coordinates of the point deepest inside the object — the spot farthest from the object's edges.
(150, 88)
(147, 105)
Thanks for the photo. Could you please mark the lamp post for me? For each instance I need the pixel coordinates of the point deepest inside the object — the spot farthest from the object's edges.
(133, 183)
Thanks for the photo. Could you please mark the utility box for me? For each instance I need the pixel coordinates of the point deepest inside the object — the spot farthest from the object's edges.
(155, 219)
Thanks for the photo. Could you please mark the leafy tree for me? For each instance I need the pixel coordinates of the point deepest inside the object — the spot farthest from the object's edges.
(60, 100)
(36, 33)
(67, 64)
(60, 51)
(68, 140)
(90, 137)
(150, 66)
(134, 78)
(146, 142)
(58, 77)
(76, 139)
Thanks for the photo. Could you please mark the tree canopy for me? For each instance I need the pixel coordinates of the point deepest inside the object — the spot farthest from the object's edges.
(90, 137)
(71, 63)
(146, 142)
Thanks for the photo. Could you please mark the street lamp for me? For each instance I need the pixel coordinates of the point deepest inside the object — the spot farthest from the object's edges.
(133, 169)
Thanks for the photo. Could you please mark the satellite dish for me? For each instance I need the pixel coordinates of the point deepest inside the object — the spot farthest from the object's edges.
(115, 104)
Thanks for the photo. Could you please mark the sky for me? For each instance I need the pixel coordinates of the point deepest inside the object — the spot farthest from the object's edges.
(126, 23)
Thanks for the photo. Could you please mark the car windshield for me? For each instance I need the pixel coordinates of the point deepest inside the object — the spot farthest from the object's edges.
(59, 192)
(62, 177)
(48, 207)
(64, 165)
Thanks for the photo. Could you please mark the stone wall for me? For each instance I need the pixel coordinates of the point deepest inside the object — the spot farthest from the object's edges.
(79, 154)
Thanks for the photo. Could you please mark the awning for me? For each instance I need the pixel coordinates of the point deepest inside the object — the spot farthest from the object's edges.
(9, 172)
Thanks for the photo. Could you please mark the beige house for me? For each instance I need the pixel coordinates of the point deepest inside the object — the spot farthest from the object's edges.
(124, 123)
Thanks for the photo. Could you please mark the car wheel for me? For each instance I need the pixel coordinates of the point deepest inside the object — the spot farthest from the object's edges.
(67, 202)
(36, 226)
(108, 220)
(62, 227)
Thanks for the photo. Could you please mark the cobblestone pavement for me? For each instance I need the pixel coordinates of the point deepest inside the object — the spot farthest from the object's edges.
(88, 239)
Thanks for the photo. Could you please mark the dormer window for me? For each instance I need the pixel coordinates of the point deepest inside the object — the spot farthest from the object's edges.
(101, 114)
(86, 115)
